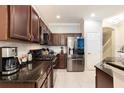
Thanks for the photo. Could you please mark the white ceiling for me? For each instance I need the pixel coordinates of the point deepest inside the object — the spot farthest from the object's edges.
(74, 13)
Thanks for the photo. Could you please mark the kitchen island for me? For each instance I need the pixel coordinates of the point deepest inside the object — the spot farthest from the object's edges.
(37, 74)
(110, 73)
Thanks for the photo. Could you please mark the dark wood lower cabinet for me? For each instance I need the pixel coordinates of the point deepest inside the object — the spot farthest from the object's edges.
(48, 82)
(32, 85)
(103, 80)
(62, 61)
(50, 79)
(45, 84)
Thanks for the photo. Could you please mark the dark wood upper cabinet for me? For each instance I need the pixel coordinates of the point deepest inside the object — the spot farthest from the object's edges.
(56, 39)
(34, 26)
(44, 30)
(20, 22)
(61, 39)
(4, 22)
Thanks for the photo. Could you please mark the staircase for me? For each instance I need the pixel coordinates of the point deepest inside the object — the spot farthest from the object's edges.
(107, 42)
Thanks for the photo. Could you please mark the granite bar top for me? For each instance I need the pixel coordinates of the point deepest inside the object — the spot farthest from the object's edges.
(101, 67)
(28, 74)
(112, 61)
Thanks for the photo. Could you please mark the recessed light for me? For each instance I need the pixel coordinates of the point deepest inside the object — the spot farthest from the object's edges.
(93, 15)
(58, 16)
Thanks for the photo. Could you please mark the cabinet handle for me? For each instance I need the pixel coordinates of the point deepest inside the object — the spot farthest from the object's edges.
(32, 37)
(89, 53)
(29, 36)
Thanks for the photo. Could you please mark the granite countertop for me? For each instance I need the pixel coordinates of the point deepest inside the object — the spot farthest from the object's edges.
(112, 61)
(28, 74)
(108, 71)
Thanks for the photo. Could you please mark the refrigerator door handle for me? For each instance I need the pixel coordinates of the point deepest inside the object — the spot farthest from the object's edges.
(69, 50)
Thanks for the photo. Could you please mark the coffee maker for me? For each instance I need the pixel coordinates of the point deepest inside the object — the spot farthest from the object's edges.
(9, 62)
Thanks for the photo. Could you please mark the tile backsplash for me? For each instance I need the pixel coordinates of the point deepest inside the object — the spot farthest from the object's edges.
(24, 47)
(57, 49)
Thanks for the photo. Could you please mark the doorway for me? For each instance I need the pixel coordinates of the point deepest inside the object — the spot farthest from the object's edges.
(93, 49)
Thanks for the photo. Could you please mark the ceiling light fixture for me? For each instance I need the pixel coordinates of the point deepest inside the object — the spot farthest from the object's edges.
(58, 16)
(93, 15)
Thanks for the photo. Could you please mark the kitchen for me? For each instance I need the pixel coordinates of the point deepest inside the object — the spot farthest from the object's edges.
(61, 53)
(24, 34)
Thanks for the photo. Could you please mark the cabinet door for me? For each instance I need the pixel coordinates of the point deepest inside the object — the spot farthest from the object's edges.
(103, 80)
(42, 31)
(50, 38)
(45, 84)
(62, 61)
(53, 39)
(50, 80)
(34, 26)
(56, 39)
(17, 85)
(4, 22)
(66, 39)
(19, 21)
(63, 39)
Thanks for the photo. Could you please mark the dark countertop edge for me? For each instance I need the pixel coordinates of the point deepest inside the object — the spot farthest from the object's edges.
(18, 82)
(116, 66)
(101, 67)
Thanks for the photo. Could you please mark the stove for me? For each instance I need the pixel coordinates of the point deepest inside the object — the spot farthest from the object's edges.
(38, 54)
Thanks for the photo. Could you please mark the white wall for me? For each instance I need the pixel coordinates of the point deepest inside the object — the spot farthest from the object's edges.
(65, 27)
(82, 27)
(119, 37)
(94, 47)
(57, 49)
(92, 25)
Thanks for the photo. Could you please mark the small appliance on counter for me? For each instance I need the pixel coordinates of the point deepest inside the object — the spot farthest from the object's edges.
(43, 54)
(9, 62)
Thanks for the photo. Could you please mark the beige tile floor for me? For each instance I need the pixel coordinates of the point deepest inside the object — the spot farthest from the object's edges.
(66, 79)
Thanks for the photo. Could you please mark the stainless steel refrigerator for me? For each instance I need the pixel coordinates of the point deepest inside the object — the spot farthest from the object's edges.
(75, 54)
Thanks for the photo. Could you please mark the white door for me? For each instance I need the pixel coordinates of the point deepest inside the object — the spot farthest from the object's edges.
(93, 51)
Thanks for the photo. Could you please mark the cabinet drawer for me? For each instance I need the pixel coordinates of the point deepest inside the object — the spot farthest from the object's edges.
(41, 80)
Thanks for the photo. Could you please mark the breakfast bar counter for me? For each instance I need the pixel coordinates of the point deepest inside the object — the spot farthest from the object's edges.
(110, 73)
